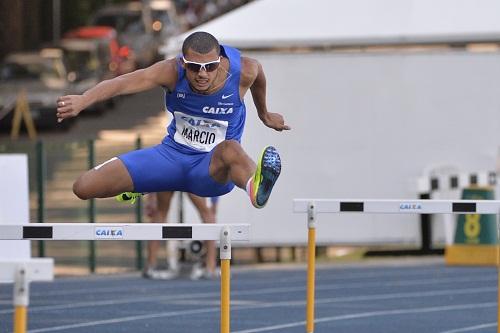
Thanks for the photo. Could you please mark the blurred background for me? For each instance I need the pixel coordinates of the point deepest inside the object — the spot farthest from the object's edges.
(387, 99)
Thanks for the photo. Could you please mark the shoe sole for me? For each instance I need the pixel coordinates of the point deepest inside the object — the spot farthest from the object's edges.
(268, 171)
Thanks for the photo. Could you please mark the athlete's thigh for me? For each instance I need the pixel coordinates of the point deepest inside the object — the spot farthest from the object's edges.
(105, 180)
(201, 205)
(155, 169)
(163, 200)
(198, 202)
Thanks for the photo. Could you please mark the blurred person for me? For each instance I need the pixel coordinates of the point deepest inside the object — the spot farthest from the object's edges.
(214, 202)
(204, 91)
(208, 269)
(157, 207)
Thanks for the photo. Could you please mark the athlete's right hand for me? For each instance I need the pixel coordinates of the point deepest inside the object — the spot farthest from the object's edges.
(69, 106)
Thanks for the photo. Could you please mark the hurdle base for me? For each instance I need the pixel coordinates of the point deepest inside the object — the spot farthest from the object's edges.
(475, 255)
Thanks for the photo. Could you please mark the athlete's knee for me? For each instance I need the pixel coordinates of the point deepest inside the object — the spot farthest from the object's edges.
(231, 145)
(207, 217)
(232, 149)
(82, 188)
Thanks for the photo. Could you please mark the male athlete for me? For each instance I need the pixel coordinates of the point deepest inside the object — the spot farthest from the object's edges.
(204, 89)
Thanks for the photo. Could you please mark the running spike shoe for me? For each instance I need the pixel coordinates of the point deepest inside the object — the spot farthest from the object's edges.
(129, 197)
(267, 173)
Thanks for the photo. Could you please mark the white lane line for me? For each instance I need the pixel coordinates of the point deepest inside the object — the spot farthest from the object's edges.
(371, 314)
(122, 320)
(128, 300)
(471, 328)
(377, 297)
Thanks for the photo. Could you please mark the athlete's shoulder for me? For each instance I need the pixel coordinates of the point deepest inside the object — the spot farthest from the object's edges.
(249, 70)
(164, 72)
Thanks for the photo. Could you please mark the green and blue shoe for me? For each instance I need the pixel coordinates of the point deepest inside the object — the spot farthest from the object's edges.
(266, 175)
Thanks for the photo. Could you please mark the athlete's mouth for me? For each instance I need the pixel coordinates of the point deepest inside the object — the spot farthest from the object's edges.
(201, 82)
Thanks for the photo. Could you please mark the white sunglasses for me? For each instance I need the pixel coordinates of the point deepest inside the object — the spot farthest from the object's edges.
(198, 66)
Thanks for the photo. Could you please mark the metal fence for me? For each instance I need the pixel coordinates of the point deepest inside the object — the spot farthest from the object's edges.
(53, 167)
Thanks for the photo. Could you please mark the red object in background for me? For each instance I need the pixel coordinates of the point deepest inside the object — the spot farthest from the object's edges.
(120, 55)
(124, 51)
(91, 32)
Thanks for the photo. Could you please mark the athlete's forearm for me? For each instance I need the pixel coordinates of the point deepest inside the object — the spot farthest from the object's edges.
(122, 85)
(270, 119)
(102, 91)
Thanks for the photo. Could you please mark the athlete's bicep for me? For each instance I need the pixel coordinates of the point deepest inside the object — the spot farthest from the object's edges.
(162, 73)
(249, 73)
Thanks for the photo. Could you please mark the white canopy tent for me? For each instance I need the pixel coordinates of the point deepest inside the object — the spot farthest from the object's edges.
(365, 124)
(277, 23)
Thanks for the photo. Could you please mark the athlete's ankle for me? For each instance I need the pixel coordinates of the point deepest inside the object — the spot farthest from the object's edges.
(248, 187)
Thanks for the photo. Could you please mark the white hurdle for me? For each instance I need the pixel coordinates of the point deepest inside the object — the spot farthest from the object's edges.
(225, 233)
(373, 206)
(22, 272)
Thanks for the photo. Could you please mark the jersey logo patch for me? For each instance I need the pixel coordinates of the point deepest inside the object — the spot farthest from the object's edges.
(215, 110)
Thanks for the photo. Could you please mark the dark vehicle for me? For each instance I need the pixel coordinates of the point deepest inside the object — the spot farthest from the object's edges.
(142, 28)
(44, 78)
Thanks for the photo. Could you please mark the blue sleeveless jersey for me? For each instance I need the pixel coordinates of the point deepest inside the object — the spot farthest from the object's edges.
(200, 122)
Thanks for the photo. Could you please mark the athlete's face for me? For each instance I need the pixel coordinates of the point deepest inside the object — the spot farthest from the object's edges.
(201, 78)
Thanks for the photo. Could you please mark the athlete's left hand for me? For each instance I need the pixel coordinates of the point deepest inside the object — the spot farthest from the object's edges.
(275, 121)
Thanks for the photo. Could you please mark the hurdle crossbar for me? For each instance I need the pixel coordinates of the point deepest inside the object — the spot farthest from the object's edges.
(398, 206)
(382, 206)
(121, 231)
(225, 233)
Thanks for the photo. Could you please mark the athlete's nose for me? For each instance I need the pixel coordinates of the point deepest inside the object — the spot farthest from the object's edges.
(203, 73)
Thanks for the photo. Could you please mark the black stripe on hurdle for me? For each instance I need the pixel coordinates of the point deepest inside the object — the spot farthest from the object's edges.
(454, 181)
(434, 184)
(469, 207)
(37, 232)
(352, 206)
(177, 232)
(492, 178)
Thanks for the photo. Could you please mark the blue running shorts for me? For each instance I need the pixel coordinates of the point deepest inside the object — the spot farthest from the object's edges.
(161, 168)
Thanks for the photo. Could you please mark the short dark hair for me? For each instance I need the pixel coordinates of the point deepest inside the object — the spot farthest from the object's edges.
(201, 42)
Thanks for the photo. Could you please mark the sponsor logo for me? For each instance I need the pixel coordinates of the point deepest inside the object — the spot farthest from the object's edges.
(226, 96)
(200, 122)
(225, 104)
(213, 110)
(109, 232)
(181, 95)
(410, 207)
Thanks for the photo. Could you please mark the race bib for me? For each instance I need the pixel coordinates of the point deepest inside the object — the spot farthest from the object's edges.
(199, 133)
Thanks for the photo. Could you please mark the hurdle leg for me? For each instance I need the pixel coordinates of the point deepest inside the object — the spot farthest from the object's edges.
(225, 279)
(311, 267)
(21, 299)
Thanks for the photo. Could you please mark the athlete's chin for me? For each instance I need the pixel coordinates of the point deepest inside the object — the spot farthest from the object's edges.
(202, 87)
